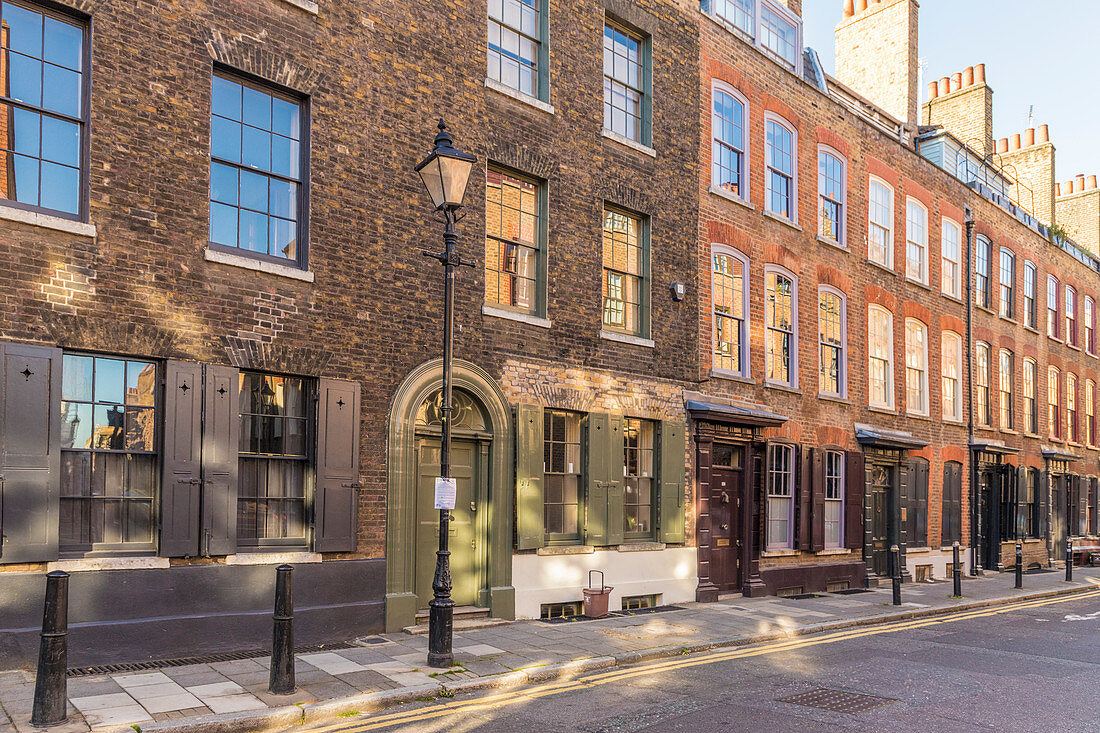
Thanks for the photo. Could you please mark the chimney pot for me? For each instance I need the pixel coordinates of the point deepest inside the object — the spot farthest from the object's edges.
(849, 8)
(1029, 137)
(1057, 189)
(1044, 134)
(979, 74)
(861, 5)
(933, 89)
(1091, 183)
(1067, 187)
(1079, 183)
(1015, 145)
(968, 76)
(956, 81)
(945, 86)
(1002, 145)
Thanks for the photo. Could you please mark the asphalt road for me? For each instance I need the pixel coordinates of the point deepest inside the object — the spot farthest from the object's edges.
(1028, 667)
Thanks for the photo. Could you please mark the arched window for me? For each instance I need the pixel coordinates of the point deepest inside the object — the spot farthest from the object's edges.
(916, 241)
(1008, 284)
(916, 367)
(1071, 316)
(729, 279)
(832, 192)
(729, 154)
(951, 345)
(951, 258)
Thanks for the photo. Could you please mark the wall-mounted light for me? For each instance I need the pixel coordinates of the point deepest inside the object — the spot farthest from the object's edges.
(677, 290)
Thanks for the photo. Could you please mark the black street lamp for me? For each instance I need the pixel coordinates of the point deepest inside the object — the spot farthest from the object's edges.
(445, 174)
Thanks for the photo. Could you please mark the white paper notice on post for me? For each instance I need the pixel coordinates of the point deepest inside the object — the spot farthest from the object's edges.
(446, 492)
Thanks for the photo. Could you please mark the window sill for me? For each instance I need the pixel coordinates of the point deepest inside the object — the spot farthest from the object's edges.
(556, 550)
(272, 558)
(247, 263)
(882, 409)
(731, 376)
(532, 320)
(918, 283)
(834, 551)
(1073, 346)
(952, 298)
(782, 220)
(1034, 436)
(1031, 328)
(519, 96)
(833, 398)
(884, 268)
(833, 243)
(919, 416)
(46, 221)
(1010, 319)
(626, 338)
(307, 5)
(731, 197)
(953, 421)
(627, 142)
(641, 547)
(985, 308)
(779, 553)
(782, 387)
(108, 563)
(1010, 431)
(917, 550)
(987, 428)
(1055, 339)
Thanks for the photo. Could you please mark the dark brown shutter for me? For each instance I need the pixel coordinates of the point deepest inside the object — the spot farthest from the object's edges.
(181, 470)
(220, 448)
(671, 475)
(817, 490)
(337, 500)
(1043, 526)
(1021, 502)
(530, 508)
(919, 504)
(1094, 499)
(30, 452)
(855, 483)
(803, 494)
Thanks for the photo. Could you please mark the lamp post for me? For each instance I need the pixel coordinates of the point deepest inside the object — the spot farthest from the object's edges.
(445, 173)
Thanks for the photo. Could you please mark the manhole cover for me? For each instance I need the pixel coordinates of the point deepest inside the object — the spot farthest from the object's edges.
(837, 701)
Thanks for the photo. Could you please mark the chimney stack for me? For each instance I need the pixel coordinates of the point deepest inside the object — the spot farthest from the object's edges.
(876, 55)
(964, 107)
(1091, 183)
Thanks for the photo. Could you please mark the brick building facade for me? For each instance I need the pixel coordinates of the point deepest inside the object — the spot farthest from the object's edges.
(698, 351)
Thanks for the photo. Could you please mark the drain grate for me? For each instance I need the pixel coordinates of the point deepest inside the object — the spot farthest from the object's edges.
(184, 661)
(804, 596)
(640, 611)
(851, 591)
(837, 701)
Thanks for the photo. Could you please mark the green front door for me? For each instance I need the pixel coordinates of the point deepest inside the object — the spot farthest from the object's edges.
(467, 466)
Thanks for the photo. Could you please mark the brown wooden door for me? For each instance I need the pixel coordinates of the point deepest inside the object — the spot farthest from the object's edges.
(726, 482)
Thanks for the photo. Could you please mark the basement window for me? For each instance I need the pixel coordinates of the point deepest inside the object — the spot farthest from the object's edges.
(633, 603)
(560, 610)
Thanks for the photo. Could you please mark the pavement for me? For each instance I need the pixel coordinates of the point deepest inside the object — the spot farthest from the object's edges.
(383, 670)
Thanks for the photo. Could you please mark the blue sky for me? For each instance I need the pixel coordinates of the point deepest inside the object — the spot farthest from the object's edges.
(1039, 53)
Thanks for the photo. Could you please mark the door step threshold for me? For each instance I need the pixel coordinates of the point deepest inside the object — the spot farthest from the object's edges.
(460, 624)
(458, 612)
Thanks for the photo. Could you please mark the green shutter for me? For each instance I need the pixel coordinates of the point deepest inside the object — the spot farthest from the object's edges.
(615, 464)
(530, 526)
(671, 472)
(598, 456)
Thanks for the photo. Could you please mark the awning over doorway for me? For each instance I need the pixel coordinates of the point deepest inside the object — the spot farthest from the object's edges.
(733, 414)
(1051, 453)
(885, 438)
(993, 446)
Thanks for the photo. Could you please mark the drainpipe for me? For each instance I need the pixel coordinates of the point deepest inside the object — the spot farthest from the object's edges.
(975, 568)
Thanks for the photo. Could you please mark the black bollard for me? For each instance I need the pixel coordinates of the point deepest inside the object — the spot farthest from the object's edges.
(282, 641)
(1069, 560)
(957, 569)
(50, 690)
(895, 553)
(1019, 565)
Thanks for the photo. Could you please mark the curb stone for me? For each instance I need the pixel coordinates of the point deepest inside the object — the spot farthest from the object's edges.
(292, 715)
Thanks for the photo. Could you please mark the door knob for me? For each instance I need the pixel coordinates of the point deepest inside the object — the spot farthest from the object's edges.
(725, 498)
(473, 506)
(726, 527)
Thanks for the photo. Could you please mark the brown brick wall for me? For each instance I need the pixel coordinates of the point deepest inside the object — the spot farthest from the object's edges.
(876, 55)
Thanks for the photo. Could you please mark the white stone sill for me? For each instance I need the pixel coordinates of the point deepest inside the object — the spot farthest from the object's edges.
(494, 312)
(632, 144)
(272, 558)
(834, 551)
(556, 550)
(731, 376)
(519, 96)
(45, 221)
(625, 338)
(723, 193)
(307, 5)
(782, 220)
(248, 263)
(641, 547)
(108, 563)
(780, 553)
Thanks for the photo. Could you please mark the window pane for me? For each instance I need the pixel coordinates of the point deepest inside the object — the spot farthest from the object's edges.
(63, 44)
(60, 188)
(25, 79)
(24, 29)
(60, 141)
(226, 100)
(61, 90)
(225, 139)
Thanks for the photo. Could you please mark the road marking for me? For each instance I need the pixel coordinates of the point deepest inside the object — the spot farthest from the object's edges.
(666, 665)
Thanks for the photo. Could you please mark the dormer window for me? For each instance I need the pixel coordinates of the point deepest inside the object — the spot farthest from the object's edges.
(770, 24)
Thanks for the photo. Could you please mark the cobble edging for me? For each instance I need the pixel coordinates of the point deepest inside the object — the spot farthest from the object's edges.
(319, 712)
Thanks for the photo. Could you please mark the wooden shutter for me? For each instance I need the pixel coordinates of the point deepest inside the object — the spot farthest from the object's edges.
(1094, 499)
(671, 474)
(599, 456)
(1082, 505)
(181, 470)
(903, 505)
(855, 483)
(336, 504)
(220, 449)
(817, 491)
(530, 507)
(1021, 502)
(802, 496)
(30, 452)
(919, 504)
(616, 464)
(1044, 505)
(947, 504)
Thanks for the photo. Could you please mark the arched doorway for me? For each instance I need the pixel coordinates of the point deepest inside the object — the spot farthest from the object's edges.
(481, 526)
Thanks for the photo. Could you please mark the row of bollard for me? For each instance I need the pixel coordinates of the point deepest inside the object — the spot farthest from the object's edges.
(50, 684)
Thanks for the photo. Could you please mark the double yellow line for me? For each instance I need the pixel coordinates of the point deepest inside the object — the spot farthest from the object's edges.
(617, 674)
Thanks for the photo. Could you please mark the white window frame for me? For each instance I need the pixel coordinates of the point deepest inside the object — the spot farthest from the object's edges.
(1088, 315)
(839, 500)
(1031, 386)
(951, 269)
(746, 141)
(1002, 382)
(951, 351)
(1072, 435)
(1069, 293)
(788, 541)
(1090, 413)
(1006, 307)
(793, 368)
(889, 244)
(746, 371)
(888, 358)
(1053, 323)
(911, 325)
(921, 276)
(1031, 314)
(1054, 377)
(983, 293)
(772, 117)
(842, 377)
(755, 36)
(981, 381)
(842, 225)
